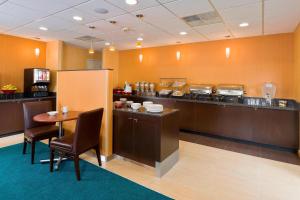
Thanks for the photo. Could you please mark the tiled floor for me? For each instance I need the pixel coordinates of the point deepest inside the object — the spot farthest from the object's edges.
(207, 173)
(245, 148)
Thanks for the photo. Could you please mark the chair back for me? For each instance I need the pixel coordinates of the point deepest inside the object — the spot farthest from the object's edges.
(87, 130)
(31, 109)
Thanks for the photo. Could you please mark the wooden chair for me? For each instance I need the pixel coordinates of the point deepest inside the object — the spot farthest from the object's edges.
(35, 131)
(86, 137)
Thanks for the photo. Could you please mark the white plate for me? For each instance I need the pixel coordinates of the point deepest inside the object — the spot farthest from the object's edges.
(52, 113)
(155, 111)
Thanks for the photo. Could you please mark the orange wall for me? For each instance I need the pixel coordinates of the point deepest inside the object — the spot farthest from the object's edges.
(53, 60)
(110, 60)
(75, 57)
(16, 54)
(87, 90)
(252, 62)
(297, 62)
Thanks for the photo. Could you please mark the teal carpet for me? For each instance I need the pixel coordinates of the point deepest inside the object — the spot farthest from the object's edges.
(21, 180)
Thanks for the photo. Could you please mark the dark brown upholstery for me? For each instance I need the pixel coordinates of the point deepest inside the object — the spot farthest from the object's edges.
(86, 137)
(35, 131)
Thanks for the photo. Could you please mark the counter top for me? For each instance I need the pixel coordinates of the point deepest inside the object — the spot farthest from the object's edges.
(142, 111)
(292, 105)
(22, 97)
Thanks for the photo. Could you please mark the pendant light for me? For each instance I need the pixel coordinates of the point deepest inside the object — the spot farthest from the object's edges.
(91, 50)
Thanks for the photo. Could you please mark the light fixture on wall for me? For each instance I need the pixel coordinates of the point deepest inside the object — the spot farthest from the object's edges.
(37, 52)
(141, 57)
(227, 52)
(178, 55)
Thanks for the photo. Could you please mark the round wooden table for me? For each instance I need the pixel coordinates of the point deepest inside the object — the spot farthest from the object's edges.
(59, 118)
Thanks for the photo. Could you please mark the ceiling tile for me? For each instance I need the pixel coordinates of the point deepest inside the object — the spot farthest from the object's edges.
(225, 4)
(70, 13)
(52, 23)
(142, 4)
(20, 11)
(90, 7)
(213, 31)
(165, 1)
(104, 26)
(11, 22)
(183, 8)
(47, 6)
(156, 14)
(242, 13)
(281, 16)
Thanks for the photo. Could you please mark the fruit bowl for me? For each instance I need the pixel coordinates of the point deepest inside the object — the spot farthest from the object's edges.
(8, 91)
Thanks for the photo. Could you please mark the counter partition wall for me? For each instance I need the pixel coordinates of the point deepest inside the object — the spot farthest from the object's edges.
(85, 90)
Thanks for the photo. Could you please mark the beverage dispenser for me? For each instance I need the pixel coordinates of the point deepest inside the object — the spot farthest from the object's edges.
(36, 82)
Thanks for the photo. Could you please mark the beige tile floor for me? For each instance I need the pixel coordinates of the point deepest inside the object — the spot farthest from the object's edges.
(210, 174)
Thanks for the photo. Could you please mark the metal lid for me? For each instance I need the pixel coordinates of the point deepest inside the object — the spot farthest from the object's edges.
(230, 90)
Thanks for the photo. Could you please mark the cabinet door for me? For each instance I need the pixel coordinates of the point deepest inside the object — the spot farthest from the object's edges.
(7, 117)
(146, 130)
(123, 135)
(187, 115)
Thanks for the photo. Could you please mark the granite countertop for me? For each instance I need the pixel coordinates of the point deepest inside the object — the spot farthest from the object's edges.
(22, 96)
(292, 105)
(142, 111)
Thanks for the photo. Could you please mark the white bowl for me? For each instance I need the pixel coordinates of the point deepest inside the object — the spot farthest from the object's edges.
(135, 106)
(52, 113)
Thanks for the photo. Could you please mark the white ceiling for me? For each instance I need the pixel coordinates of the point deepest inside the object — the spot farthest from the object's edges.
(160, 26)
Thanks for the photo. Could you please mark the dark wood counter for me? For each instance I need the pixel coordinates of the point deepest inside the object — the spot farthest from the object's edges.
(265, 125)
(11, 112)
(145, 137)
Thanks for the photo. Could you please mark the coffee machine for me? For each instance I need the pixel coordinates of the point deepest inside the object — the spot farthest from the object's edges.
(36, 82)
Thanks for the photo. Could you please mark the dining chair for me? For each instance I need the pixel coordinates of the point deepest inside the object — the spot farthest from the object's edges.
(36, 131)
(85, 137)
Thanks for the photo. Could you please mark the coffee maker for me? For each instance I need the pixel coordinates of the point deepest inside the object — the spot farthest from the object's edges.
(36, 82)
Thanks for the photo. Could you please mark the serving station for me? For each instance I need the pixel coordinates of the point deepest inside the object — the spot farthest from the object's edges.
(224, 111)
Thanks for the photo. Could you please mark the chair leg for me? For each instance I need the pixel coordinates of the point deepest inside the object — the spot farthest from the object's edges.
(49, 141)
(51, 159)
(98, 155)
(32, 151)
(24, 146)
(77, 169)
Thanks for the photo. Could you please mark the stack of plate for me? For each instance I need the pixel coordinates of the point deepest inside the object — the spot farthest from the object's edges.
(155, 108)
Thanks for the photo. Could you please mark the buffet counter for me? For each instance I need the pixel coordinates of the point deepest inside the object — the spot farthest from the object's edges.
(11, 111)
(268, 125)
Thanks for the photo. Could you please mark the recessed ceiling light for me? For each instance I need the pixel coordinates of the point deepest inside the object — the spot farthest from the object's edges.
(183, 33)
(107, 43)
(101, 10)
(43, 28)
(77, 18)
(244, 24)
(131, 2)
(140, 39)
